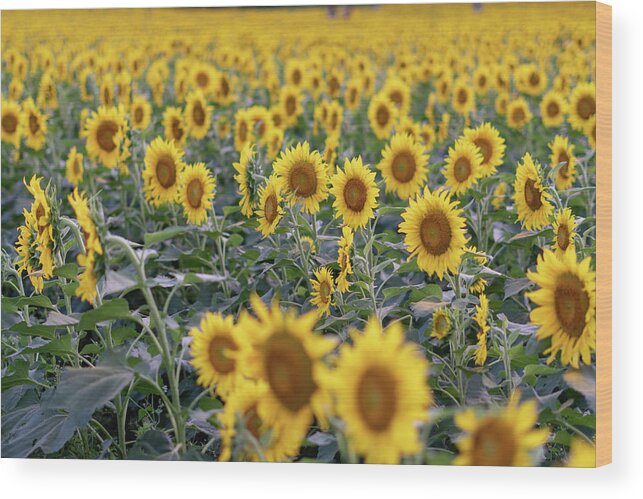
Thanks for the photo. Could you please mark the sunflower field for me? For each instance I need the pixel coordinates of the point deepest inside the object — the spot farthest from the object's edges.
(326, 234)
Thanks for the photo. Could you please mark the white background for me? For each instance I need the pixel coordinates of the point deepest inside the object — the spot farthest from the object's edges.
(622, 479)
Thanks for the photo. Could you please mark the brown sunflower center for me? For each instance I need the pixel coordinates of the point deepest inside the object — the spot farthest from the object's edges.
(485, 148)
(138, 114)
(177, 129)
(224, 87)
(403, 167)
(34, 123)
(105, 135)
(382, 116)
(76, 166)
(289, 371)
(586, 107)
(198, 114)
(533, 195)
(441, 324)
(518, 115)
(493, 444)
(202, 79)
(219, 351)
(462, 96)
(376, 398)
(352, 95)
(355, 194)
(253, 421)
(553, 109)
(194, 193)
(166, 171)
(296, 77)
(333, 85)
(270, 207)
(482, 81)
(435, 233)
(324, 291)
(303, 179)
(563, 157)
(462, 169)
(572, 302)
(534, 79)
(291, 105)
(562, 237)
(9, 123)
(243, 131)
(397, 98)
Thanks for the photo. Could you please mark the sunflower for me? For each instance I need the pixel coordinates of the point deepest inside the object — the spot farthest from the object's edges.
(563, 152)
(42, 212)
(463, 166)
(269, 211)
(518, 113)
(302, 174)
(482, 80)
(381, 393)
(197, 114)
(499, 194)
(501, 103)
(242, 129)
(590, 132)
(463, 99)
(216, 348)
(290, 102)
(245, 179)
(323, 288)
(480, 318)
(163, 169)
(500, 438)
(427, 136)
(403, 166)
(335, 118)
(531, 80)
(33, 125)
(566, 310)
(287, 355)
(582, 105)
(564, 232)
(274, 141)
(434, 228)
(140, 113)
(223, 89)
(175, 128)
(196, 192)
(203, 77)
(330, 153)
(382, 116)
(491, 145)
(106, 139)
(355, 193)
(581, 454)
(399, 94)
(353, 93)
(440, 324)
(26, 247)
(11, 127)
(344, 259)
(47, 93)
(74, 166)
(443, 128)
(552, 109)
(530, 196)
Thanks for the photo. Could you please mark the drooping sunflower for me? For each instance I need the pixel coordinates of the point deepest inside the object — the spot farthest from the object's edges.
(196, 192)
(381, 393)
(552, 109)
(105, 133)
(491, 145)
(403, 166)
(382, 115)
(28, 259)
(74, 166)
(566, 311)
(463, 100)
(518, 113)
(434, 228)
(582, 105)
(463, 166)
(198, 114)
(269, 211)
(140, 113)
(440, 324)
(163, 169)
(11, 126)
(480, 318)
(42, 210)
(531, 198)
(323, 286)
(500, 438)
(563, 152)
(245, 179)
(216, 348)
(564, 227)
(174, 125)
(303, 178)
(355, 193)
(344, 259)
(33, 125)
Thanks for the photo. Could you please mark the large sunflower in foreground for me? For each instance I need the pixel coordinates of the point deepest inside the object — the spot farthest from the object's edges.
(105, 132)
(195, 192)
(33, 125)
(505, 437)
(403, 166)
(216, 348)
(582, 105)
(344, 259)
(491, 145)
(198, 115)
(245, 179)
(381, 391)
(564, 232)
(355, 193)
(463, 166)
(382, 115)
(11, 129)
(434, 228)
(323, 287)
(563, 152)
(530, 196)
(163, 168)
(566, 311)
(269, 211)
(302, 174)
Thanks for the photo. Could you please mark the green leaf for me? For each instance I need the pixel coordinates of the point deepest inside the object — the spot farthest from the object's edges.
(38, 330)
(429, 290)
(68, 271)
(12, 304)
(57, 319)
(162, 235)
(109, 310)
(515, 286)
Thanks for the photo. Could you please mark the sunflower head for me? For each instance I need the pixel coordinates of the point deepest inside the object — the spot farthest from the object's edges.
(195, 192)
(355, 193)
(269, 211)
(403, 166)
(518, 113)
(106, 134)
(490, 144)
(582, 105)
(11, 126)
(463, 166)
(440, 324)
(140, 113)
(552, 109)
(562, 157)
(382, 115)
(198, 115)
(163, 169)
(530, 195)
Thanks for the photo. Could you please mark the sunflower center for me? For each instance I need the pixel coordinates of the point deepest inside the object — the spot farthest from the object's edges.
(333, 85)
(253, 421)
(296, 77)
(324, 291)
(276, 119)
(435, 233)
(105, 135)
(462, 96)
(355, 194)
(138, 115)
(586, 107)
(352, 96)
(562, 237)
(106, 96)
(224, 86)
(403, 167)
(243, 131)
(219, 347)
(198, 114)
(533, 195)
(202, 79)
(485, 148)
(9, 123)
(493, 444)
(572, 302)
(76, 166)
(303, 179)
(441, 324)
(34, 124)
(166, 171)
(333, 121)
(195, 193)
(291, 105)
(563, 157)
(376, 398)
(270, 208)
(534, 79)
(553, 109)
(382, 116)
(462, 169)
(518, 115)
(177, 129)
(482, 81)
(289, 371)
(397, 98)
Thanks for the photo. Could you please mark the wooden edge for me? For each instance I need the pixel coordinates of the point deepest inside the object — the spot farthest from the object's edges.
(603, 234)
